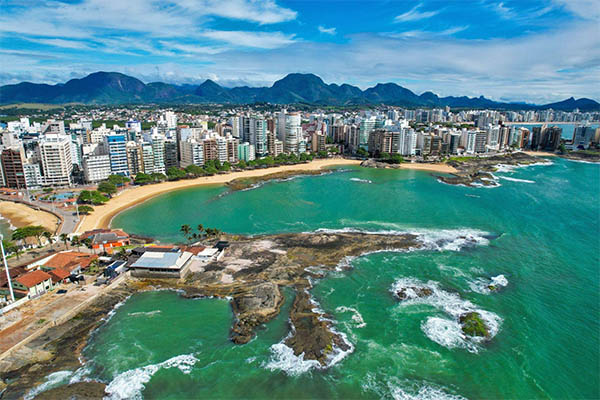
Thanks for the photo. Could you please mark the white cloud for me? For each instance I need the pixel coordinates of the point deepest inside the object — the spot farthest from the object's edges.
(414, 14)
(586, 9)
(328, 31)
(66, 44)
(261, 40)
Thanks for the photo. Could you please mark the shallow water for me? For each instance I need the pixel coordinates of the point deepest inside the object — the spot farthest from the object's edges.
(539, 230)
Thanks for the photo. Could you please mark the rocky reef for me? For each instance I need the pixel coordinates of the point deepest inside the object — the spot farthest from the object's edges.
(250, 182)
(411, 292)
(473, 325)
(477, 171)
(372, 163)
(582, 155)
(251, 275)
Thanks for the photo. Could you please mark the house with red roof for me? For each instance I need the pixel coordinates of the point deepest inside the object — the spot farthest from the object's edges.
(59, 275)
(71, 261)
(106, 239)
(34, 283)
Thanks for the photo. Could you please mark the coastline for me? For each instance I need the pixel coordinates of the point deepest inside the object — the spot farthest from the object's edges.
(431, 167)
(103, 215)
(540, 153)
(20, 215)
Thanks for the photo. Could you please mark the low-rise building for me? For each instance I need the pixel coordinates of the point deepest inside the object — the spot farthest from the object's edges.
(172, 263)
(34, 283)
(106, 239)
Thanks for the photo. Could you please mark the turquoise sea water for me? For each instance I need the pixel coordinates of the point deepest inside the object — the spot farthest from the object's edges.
(545, 221)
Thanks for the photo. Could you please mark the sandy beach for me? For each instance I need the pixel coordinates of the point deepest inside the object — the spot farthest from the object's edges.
(438, 167)
(21, 215)
(102, 215)
(540, 153)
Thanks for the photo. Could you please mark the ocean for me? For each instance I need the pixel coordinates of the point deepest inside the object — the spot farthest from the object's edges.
(538, 241)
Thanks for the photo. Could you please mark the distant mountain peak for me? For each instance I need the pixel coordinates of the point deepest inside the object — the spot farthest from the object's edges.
(104, 87)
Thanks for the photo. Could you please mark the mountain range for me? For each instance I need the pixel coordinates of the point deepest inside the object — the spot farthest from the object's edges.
(117, 88)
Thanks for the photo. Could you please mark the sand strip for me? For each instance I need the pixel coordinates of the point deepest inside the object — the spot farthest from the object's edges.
(21, 215)
(102, 215)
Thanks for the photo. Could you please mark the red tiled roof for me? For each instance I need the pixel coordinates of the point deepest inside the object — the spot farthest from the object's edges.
(59, 274)
(194, 249)
(32, 278)
(70, 260)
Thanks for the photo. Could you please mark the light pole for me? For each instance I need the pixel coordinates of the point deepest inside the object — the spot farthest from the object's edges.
(10, 288)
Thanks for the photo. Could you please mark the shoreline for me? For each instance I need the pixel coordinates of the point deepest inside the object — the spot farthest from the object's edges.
(431, 167)
(540, 153)
(19, 215)
(102, 215)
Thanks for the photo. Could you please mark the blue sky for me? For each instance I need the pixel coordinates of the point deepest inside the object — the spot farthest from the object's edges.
(536, 51)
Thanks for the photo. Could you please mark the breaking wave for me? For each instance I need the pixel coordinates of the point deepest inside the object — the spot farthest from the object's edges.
(144, 313)
(508, 178)
(284, 359)
(446, 332)
(397, 389)
(439, 240)
(129, 384)
(53, 380)
(361, 180)
(356, 316)
(482, 285)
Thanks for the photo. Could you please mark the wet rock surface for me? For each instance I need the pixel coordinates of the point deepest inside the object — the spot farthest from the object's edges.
(247, 183)
(312, 336)
(371, 163)
(476, 171)
(409, 292)
(251, 275)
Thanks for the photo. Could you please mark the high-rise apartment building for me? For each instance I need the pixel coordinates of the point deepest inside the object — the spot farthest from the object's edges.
(57, 164)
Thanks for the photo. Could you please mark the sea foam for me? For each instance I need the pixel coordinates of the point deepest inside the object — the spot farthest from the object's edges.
(446, 332)
(129, 384)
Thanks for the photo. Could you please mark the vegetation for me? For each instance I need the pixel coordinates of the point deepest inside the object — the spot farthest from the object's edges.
(460, 159)
(25, 232)
(118, 180)
(391, 158)
(107, 188)
(85, 210)
(91, 197)
(175, 174)
(65, 239)
(472, 325)
(190, 235)
(362, 152)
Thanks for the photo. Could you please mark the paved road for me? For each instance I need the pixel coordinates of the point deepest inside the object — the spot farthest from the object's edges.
(69, 217)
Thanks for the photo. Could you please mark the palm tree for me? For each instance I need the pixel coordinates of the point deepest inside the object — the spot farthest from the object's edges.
(186, 229)
(200, 230)
(65, 239)
(48, 237)
(75, 241)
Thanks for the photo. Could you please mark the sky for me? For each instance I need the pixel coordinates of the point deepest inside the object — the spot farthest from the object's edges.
(534, 51)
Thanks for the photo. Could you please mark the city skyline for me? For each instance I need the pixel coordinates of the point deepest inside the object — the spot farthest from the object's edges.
(506, 51)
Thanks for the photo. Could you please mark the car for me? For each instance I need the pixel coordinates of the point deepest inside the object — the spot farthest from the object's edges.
(61, 291)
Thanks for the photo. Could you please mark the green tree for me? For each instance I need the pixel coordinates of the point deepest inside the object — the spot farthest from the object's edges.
(396, 159)
(48, 237)
(242, 164)
(385, 156)
(65, 239)
(362, 152)
(562, 149)
(194, 170)
(85, 210)
(174, 174)
(75, 241)
(226, 166)
(157, 177)
(118, 180)
(186, 229)
(107, 187)
(142, 179)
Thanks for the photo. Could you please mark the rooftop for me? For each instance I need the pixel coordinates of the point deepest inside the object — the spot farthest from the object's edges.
(33, 278)
(162, 260)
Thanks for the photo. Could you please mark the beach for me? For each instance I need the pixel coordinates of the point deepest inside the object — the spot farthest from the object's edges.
(103, 214)
(541, 153)
(21, 215)
(438, 167)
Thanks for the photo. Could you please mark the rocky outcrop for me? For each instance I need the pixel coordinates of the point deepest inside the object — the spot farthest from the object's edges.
(255, 306)
(407, 292)
(476, 171)
(372, 163)
(312, 335)
(246, 183)
(583, 155)
(473, 325)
